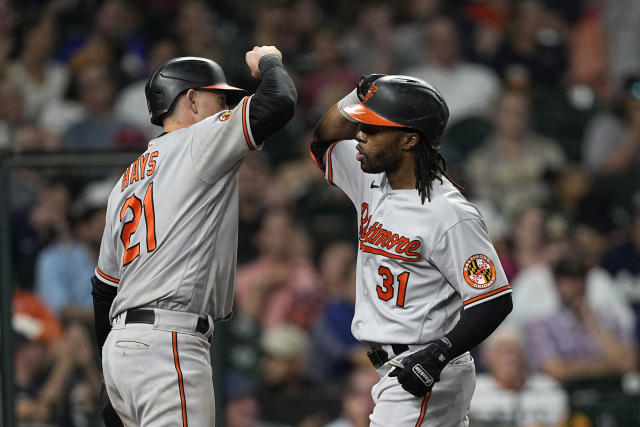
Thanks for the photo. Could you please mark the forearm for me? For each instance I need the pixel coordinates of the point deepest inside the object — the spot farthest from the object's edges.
(273, 104)
(618, 354)
(54, 388)
(103, 296)
(476, 324)
(577, 369)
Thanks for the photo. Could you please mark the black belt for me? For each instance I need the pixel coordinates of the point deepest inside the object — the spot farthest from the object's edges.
(141, 315)
(379, 356)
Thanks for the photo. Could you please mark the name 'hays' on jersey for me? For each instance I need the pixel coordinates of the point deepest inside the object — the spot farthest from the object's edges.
(417, 263)
(157, 246)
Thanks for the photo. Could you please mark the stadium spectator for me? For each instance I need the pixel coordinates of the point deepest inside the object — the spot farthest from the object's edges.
(331, 78)
(333, 346)
(41, 79)
(281, 285)
(622, 25)
(509, 393)
(612, 139)
(285, 392)
(253, 182)
(36, 226)
(100, 129)
(411, 32)
(64, 267)
(534, 50)
(508, 169)
(357, 403)
(26, 183)
(622, 263)
(12, 111)
(115, 32)
(131, 102)
(576, 341)
(54, 371)
(470, 89)
(241, 406)
(368, 44)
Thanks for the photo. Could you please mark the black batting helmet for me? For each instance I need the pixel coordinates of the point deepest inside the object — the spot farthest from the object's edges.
(180, 74)
(401, 101)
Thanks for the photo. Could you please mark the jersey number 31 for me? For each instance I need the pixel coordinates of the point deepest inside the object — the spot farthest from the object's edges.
(385, 292)
(129, 227)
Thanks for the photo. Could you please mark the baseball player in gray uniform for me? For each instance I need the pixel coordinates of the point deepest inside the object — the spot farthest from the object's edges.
(167, 262)
(429, 282)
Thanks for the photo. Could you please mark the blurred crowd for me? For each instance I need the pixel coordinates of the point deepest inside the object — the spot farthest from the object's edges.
(544, 136)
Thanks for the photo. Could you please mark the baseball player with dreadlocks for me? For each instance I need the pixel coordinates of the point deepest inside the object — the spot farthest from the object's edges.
(167, 261)
(429, 284)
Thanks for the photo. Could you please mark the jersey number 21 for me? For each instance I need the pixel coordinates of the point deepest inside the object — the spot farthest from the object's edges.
(129, 227)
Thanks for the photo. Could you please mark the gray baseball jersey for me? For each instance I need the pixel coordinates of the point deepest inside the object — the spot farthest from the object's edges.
(418, 264)
(170, 240)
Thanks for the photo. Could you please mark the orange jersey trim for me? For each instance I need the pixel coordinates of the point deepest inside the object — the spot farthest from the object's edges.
(313, 157)
(487, 295)
(244, 124)
(329, 164)
(364, 115)
(369, 249)
(423, 409)
(107, 277)
(176, 361)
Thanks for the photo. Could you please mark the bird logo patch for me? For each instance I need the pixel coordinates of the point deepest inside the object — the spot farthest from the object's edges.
(479, 271)
(224, 116)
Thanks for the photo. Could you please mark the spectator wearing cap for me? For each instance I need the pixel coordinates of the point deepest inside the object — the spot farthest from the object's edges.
(612, 139)
(576, 341)
(510, 392)
(285, 392)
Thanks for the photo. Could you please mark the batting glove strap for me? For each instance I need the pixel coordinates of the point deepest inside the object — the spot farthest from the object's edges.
(422, 369)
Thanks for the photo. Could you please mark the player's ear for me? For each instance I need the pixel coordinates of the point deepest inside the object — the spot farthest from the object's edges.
(410, 140)
(191, 96)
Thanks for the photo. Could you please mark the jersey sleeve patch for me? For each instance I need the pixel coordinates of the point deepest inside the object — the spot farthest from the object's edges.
(106, 278)
(225, 116)
(479, 271)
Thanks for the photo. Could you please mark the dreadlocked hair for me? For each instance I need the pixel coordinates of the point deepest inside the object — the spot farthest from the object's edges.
(430, 165)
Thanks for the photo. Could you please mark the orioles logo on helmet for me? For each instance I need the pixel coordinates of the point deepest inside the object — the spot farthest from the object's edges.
(372, 90)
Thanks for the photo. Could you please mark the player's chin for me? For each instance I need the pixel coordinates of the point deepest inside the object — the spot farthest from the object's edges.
(370, 168)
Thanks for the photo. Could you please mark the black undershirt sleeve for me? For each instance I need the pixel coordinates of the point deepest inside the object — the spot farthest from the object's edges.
(103, 296)
(318, 148)
(273, 104)
(477, 323)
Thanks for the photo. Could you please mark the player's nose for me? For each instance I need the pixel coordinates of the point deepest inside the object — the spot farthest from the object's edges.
(361, 136)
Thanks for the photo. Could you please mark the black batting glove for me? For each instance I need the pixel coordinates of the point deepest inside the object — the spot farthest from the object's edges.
(365, 83)
(422, 368)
